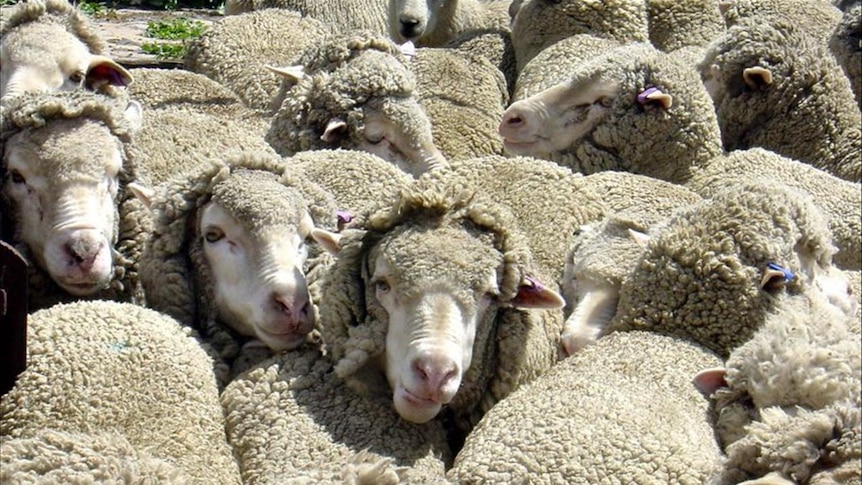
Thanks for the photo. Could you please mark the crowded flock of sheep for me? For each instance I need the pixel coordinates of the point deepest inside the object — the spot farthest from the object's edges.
(440, 241)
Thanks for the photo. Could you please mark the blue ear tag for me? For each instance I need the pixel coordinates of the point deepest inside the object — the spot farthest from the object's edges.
(788, 275)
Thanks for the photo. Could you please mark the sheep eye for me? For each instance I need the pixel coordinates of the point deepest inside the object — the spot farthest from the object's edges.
(606, 101)
(16, 177)
(374, 139)
(213, 234)
(77, 77)
(381, 286)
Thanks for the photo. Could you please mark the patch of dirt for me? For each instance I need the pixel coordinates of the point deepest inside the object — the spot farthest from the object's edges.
(124, 30)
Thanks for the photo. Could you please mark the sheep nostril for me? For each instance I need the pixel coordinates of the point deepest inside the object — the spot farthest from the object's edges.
(513, 120)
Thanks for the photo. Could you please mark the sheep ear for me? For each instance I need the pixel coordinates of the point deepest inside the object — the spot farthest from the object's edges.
(639, 237)
(294, 73)
(134, 114)
(329, 240)
(532, 294)
(143, 193)
(709, 380)
(105, 71)
(655, 96)
(724, 6)
(757, 77)
(774, 276)
(335, 127)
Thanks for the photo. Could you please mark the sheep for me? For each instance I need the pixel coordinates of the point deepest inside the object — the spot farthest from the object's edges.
(433, 23)
(787, 401)
(493, 45)
(603, 253)
(464, 97)
(844, 45)
(550, 202)
(113, 390)
(227, 254)
(632, 108)
(555, 63)
(777, 88)
(51, 45)
(191, 91)
(839, 199)
(438, 253)
(537, 24)
(69, 173)
(817, 17)
(674, 24)
(341, 15)
(715, 269)
(355, 92)
(292, 420)
(620, 411)
(235, 50)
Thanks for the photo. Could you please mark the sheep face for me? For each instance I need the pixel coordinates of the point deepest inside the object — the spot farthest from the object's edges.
(433, 304)
(411, 19)
(42, 56)
(64, 201)
(554, 119)
(256, 269)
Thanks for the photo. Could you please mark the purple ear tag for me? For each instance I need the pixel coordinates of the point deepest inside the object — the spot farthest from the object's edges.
(643, 97)
(535, 286)
(344, 218)
(788, 275)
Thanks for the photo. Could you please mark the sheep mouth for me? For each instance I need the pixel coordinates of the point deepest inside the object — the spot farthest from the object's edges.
(519, 147)
(283, 340)
(417, 401)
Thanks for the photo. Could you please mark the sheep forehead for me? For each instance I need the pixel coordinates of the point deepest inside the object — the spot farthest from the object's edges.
(258, 200)
(375, 73)
(418, 256)
(68, 149)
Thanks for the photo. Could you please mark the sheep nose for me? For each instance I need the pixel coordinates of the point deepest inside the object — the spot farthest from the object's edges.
(512, 119)
(435, 373)
(82, 252)
(296, 309)
(409, 27)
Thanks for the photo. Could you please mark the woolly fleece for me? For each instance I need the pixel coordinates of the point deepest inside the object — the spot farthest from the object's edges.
(620, 411)
(674, 24)
(166, 407)
(699, 278)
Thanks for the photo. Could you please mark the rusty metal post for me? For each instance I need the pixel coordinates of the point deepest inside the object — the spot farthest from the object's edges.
(13, 316)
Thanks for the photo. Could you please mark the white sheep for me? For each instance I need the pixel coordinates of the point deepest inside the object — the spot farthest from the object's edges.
(433, 23)
(113, 392)
(355, 91)
(537, 24)
(620, 411)
(235, 50)
(228, 254)
(777, 87)
(817, 17)
(68, 172)
(603, 253)
(428, 303)
(787, 401)
(292, 420)
(714, 270)
(50, 45)
(495, 46)
(340, 15)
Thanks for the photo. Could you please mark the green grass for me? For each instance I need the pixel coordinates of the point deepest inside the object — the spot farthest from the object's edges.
(178, 29)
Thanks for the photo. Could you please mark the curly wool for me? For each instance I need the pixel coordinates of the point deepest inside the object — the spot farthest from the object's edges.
(59, 12)
(167, 407)
(807, 112)
(665, 143)
(464, 97)
(620, 411)
(539, 24)
(818, 18)
(844, 44)
(800, 375)
(511, 346)
(493, 45)
(699, 278)
(840, 200)
(36, 111)
(291, 419)
(674, 24)
(366, 70)
(174, 270)
(234, 50)
(339, 15)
